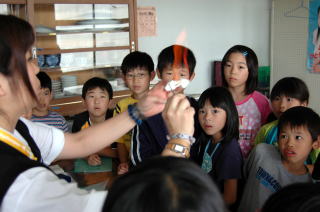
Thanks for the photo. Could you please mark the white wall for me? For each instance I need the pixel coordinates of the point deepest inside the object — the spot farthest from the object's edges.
(212, 27)
(289, 49)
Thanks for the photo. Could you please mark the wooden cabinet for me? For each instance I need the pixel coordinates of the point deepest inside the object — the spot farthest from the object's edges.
(14, 7)
(77, 40)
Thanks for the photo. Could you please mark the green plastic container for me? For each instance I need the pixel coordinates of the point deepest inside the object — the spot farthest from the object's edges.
(264, 76)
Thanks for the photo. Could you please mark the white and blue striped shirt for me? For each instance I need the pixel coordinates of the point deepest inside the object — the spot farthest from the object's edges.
(53, 119)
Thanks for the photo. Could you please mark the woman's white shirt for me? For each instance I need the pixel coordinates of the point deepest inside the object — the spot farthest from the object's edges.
(38, 189)
(50, 140)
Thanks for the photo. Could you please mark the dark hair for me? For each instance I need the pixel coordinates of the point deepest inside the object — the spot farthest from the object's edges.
(137, 60)
(291, 87)
(252, 63)
(298, 197)
(45, 80)
(16, 39)
(220, 97)
(184, 56)
(97, 82)
(301, 116)
(164, 184)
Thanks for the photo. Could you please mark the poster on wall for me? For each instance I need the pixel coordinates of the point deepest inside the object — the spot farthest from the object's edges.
(313, 63)
(147, 21)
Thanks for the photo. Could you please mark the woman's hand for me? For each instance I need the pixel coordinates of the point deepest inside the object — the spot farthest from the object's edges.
(154, 102)
(178, 115)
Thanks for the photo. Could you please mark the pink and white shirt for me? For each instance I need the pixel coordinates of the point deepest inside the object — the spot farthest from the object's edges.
(253, 113)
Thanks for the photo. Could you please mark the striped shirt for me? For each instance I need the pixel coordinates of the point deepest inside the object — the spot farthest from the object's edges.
(52, 119)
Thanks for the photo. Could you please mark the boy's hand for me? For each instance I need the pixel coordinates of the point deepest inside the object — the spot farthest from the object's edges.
(154, 102)
(179, 115)
(123, 168)
(94, 160)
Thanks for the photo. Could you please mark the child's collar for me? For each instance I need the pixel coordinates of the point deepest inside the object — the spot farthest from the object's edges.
(295, 171)
(94, 122)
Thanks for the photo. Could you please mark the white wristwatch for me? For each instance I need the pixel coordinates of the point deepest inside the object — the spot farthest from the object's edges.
(180, 149)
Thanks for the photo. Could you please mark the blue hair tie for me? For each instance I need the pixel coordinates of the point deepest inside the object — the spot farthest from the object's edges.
(245, 53)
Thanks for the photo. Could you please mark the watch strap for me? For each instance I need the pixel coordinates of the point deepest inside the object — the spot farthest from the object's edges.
(179, 148)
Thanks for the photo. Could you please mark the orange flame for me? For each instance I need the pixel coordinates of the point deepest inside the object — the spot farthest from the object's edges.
(180, 56)
(177, 52)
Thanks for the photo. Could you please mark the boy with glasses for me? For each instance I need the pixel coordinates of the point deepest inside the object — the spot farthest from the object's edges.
(138, 70)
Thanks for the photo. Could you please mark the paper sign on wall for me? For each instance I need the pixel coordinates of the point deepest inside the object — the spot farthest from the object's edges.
(147, 23)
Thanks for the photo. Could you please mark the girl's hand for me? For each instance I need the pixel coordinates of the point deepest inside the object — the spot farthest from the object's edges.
(178, 115)
(154, 102)
(94, 160)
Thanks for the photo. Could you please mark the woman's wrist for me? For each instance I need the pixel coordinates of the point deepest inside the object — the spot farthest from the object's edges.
(183, 136)
(178, 147)
(135, 114)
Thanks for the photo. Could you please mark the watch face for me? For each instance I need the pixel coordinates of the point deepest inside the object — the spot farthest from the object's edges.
(178, 148)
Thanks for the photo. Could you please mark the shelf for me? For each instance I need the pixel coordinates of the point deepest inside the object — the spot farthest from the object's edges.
(13, 1)
(78, 22)
(59, 51)
(58, 69)
(100, 21)
(81, 31)
(90, 41)
(81, 1)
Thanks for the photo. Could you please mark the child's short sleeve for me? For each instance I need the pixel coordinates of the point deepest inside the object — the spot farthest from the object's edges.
(122, 106)
(263, 105)
(78, 122)
(263, 132)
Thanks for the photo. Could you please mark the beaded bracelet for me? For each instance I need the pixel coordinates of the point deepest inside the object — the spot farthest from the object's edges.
(191, 139)
(135, 114)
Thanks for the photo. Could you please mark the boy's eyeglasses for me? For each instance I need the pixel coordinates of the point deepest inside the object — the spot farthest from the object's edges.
(137, 76)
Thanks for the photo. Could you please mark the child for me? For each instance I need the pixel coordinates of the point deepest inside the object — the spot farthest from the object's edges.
(286, 93)
(42, 113)
(96, 94)
(180, 185)
(240, 76)
(138, 70)
(219, 152)
(296, 197)
(150, 137)
(268, 169)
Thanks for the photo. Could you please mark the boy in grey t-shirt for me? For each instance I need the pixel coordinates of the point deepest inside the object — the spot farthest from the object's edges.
(266, 171)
